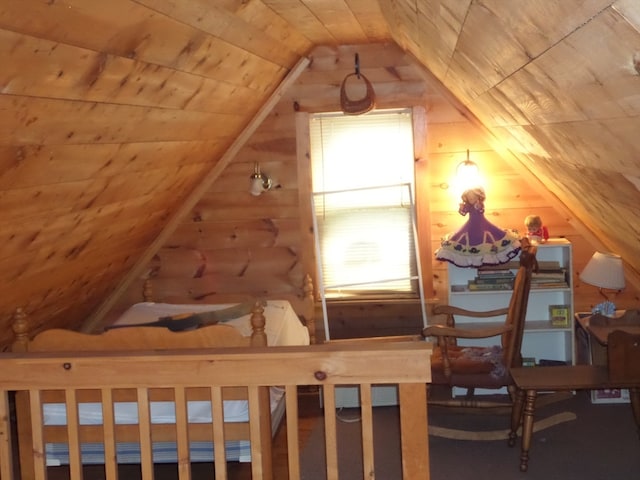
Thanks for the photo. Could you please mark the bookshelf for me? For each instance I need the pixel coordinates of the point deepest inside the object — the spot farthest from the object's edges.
(549, 329)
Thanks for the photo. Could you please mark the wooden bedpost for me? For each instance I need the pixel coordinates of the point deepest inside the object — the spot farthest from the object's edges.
(258, 321)
(20, 326)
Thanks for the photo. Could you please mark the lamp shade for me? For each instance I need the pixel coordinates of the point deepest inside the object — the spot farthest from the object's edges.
(467, 174)
(604, 270)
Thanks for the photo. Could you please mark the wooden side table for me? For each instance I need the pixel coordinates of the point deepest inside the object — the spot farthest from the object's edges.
(531, 380)
(599, 326)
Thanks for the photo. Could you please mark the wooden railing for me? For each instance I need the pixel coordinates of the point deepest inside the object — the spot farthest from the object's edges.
(405, 364)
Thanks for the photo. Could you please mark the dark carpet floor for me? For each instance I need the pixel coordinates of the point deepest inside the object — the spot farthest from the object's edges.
(601, 443)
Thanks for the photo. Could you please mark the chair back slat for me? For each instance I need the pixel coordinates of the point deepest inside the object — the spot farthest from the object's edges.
(512, 340)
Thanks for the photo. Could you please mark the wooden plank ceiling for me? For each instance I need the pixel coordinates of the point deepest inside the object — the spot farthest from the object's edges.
(113, 111)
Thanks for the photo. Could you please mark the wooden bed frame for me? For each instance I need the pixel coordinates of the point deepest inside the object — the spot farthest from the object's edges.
(145, 339)
(304, 304)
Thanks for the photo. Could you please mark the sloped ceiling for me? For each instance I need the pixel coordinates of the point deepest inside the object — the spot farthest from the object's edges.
(557, 84)
(93, 93)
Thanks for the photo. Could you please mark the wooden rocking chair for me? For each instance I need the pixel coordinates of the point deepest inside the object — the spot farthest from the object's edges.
(472, 367)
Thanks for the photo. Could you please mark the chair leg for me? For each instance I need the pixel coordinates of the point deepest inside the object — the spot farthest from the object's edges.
(634, 393)
(527, 428)
(516, 416)
(470, 394)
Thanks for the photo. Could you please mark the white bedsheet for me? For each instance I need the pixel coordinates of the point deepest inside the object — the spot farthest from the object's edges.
(283, 327)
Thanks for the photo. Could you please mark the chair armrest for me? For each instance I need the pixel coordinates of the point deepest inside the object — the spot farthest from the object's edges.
(451, 310)
(395, 338)
(444, 331)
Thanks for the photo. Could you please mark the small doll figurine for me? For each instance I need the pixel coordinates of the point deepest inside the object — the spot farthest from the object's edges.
(535, 230)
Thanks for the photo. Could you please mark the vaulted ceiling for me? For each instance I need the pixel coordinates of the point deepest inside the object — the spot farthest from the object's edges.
(94, 92)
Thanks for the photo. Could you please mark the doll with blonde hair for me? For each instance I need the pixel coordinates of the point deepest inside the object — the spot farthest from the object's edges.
(478, 242)
(536, 231)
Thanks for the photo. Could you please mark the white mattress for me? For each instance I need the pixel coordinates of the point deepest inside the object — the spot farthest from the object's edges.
(282, 328)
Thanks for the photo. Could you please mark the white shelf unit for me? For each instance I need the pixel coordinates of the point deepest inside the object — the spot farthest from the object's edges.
(541, 340)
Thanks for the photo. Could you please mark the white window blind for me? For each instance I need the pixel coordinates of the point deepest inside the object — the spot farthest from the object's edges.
(362, 169)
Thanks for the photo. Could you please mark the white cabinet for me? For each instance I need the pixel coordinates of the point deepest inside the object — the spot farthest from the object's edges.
(542, 340)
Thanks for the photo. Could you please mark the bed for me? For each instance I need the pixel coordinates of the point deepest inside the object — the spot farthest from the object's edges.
(269, 323)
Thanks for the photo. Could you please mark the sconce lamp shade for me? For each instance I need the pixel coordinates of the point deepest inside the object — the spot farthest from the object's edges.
(259, 182)
(604, 270)
(467, 174)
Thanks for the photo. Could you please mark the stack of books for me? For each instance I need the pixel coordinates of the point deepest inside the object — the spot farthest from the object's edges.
(492, 279)
(549, 275)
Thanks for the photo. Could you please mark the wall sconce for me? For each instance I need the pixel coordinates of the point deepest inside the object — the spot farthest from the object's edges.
(467, 176)
(605, 271)
(467, 171)
(259, 182)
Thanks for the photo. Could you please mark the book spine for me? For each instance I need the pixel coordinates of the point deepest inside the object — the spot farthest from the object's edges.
(493, 280)
(489, 286)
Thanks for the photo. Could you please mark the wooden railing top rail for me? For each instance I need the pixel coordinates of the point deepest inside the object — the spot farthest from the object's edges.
(406, 364)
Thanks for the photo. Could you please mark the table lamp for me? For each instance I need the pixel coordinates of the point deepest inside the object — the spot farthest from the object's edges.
(606, 272)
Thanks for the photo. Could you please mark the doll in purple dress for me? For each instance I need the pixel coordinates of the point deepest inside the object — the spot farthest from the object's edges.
(478, 242)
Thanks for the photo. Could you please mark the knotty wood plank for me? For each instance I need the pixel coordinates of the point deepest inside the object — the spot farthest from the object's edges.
(326, 98)
(89, 197)
(37, 439)
(336, 61)
(144, 426)
(500, 41)
(252, 27)
(182, 434)
(6, 442)
(209, 207)
(260, 464)
(306, 231)
(414, 430)
(220, 455)
(43, 68)
(126, 28)
(369, 16)
(197, 263)
(109, 436)
(208, 288)
(73, 435)
(544, 93)
(31, 165)
(338, 19)
(236, 178)
(330, 432)
(265, 19)
(297, 13)
(45, 238)
(293, 438)
(236, 234)
(44, 121)
(323, 364)
(366, 415)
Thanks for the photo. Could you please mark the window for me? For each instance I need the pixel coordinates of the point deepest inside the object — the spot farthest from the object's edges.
(362, 171)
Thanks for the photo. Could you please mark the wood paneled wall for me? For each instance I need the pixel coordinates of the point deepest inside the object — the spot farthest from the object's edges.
(233, 242)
